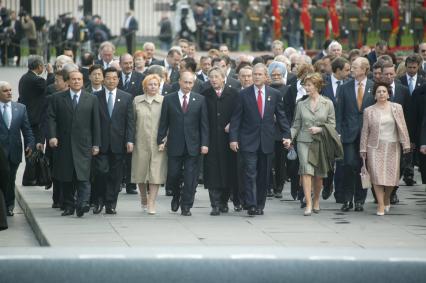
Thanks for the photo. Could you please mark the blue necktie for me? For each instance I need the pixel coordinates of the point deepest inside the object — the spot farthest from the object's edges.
(110, 104)
(6, 116)
(74, 101)
(126, 82)
(411, 85)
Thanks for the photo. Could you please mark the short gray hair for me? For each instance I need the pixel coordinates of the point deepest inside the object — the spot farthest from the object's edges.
(34, 61)
(4, 84)
(156, 69)
(277, 65)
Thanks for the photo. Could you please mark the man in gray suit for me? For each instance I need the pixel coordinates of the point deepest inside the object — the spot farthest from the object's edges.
(13, 122)
(74, 135)
(353, 97)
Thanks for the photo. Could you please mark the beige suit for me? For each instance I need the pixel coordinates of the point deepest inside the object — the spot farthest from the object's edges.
(383, 156)
(304, 119)
(148, 164)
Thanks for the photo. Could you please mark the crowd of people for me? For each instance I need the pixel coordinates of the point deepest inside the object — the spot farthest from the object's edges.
(243, 126)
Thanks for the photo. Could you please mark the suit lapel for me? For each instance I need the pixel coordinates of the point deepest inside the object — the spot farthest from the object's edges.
(15, 114)
(267, 101)
(252, 97)
(103, 102)
(68, 101)
(116, 102)
(177, 103)
(367, 93)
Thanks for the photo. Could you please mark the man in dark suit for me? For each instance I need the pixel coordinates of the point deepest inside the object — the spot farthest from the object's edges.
(205, 66)
(252, 133)
(4, 185)
(380, 49)
(184, 122)
(188, 64)
(87, 61)
(129, 31)
(413, 81)
(74, 135)
(106, 52)
(171, 63)
(353, 97)
(32, 92)
(130, 82)
(220, 164)
(117, 138)
(224, 63)
(341, 69)
(149, 49)
(14, 121)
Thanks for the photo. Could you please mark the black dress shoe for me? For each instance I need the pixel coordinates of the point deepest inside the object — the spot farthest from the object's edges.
(131, 192)
(251, 211)
(302, 203)
(270, 193)
(175, 203)
(259, 211)
(224, 209)
(359, 207)
(56, 205)
(409, 181)
(394, 199)
(98, 208)
(215, 211)
(48, 186)
(185, 212)
(278, 195)
(109, 210)
(347, 206)
(293, 192)
(82, 210)
(67, 212)
(326, 193)
(238, 207)
(10, 212)
(169, 193)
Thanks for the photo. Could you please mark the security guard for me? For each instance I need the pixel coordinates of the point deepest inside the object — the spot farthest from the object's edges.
(319, 19)
(353, 23)
(366, 22)
(386, 17)
(418, 21)
(254, 18)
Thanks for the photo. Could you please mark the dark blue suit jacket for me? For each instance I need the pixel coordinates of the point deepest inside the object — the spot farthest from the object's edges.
(249, 129)
(190, 129)
(348, 116)
(135, 84)
(10, 139)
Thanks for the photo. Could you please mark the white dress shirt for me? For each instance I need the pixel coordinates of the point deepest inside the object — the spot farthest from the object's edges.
(334, 84)
(180, 93)
(78, 95)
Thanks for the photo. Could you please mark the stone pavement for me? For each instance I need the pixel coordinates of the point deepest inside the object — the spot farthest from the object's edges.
(282, 225)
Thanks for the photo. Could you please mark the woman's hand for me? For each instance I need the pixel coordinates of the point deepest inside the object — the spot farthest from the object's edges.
(315, 130)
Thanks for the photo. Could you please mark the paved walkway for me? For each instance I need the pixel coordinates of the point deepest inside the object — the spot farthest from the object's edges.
(282, 225)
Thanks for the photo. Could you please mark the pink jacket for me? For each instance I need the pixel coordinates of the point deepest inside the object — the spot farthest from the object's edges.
(371, 127)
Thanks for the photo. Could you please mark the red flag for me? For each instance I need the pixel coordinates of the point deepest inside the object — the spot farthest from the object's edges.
(395, 7)
(277, 21)
(305, 18)
(359, 4)
(327, 30)
(334, 18)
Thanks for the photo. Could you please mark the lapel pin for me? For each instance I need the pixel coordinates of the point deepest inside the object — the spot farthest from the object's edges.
(230, 86)
(193, 99)
(118, 100)
(269, 98)
(133, 83)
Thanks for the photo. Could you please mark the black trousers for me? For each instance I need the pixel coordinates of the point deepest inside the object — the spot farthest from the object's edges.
(57, 195)
(82, 188)
(236, 181)
(9, 193)
(279, 170)
(351, 173)
(422, 166)
(37, 133)
(256, 177)
(128, 172)
(219, 197)
(130, 42)
(32, 45)
(107, 185)
(190, 172)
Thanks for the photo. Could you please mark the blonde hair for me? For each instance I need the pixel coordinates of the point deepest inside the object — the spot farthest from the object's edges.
(316, 79)
(148, 78)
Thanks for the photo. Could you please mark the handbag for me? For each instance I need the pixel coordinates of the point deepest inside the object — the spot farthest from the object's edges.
(292, 154)
(365, 176)
(30, 172)
(44, 177)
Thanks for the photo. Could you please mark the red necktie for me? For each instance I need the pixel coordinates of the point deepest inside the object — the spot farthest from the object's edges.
(260, 103)
(184, 104)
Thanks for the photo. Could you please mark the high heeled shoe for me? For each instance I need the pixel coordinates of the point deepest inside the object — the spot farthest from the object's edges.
(307, 212)
(387, 208)
(378, 213)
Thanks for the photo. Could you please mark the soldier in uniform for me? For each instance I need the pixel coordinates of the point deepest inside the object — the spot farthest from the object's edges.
(319, 18)
(365, 23)
(353, 23)
(418, 21)
(386, 17)
(254, 21)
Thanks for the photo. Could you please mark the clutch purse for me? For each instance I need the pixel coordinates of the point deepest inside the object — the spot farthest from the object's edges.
(365, 176)
(292, 154)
